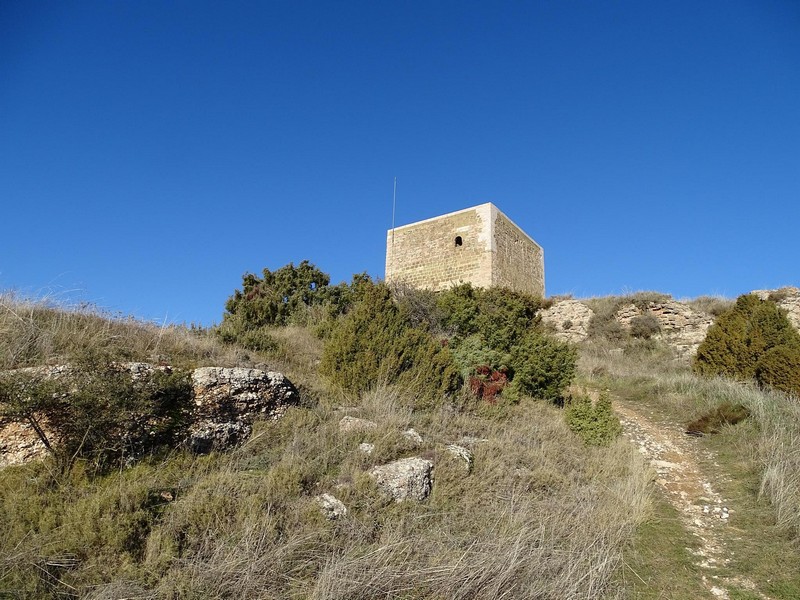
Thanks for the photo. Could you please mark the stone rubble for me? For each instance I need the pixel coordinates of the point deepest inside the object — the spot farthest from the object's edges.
(405, 479)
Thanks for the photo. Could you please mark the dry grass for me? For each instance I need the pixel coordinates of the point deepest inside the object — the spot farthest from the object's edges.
(539, 516)
(34, 332)
(653, 375)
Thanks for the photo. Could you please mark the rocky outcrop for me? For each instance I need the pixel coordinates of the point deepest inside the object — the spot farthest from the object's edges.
(228, 400)
(788, 298)
(19, 444)
(569, 320)
(225, 402)
(679, 325)
(405, 479)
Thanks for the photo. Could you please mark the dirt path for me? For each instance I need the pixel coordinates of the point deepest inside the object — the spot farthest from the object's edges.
(686, 474)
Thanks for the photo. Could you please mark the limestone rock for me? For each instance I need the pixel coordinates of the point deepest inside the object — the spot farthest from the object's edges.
(462, 453)
(680, 326)
(331, 507)
(225, 403)
(228, 400)
(412, 436)
(788, 298)
(405, 479)
(350, 424)
(366, 448)
(627, 313)
(570, 320)
(19, 444)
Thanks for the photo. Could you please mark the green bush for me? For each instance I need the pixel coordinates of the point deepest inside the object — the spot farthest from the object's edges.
(542, 366)
(473, 352)
(752, 340)
(596, 424)
(291, 295)
(375, 343)
(500, 316)
(278, 296)
(779, 367)
(98, 410)
(645, 326)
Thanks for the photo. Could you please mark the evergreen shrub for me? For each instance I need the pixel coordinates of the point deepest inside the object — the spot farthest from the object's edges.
(752, 340)
(542, 366)
(375, 343)
(595, 423)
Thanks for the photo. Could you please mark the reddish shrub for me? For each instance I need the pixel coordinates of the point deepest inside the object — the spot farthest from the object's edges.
(487, 383)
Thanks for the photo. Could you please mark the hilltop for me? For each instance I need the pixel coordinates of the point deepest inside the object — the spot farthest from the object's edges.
(461, 468)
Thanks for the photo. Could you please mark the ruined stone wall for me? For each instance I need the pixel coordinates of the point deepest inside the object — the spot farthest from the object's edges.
(425, 254)
(518, 260)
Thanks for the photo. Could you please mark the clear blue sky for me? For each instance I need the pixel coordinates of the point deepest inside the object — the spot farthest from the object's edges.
(153, 152)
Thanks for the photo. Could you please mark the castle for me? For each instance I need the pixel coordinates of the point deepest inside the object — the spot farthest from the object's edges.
(477, 245)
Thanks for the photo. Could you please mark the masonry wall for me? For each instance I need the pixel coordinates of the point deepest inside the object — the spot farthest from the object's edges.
(425, 254)
(518, 260)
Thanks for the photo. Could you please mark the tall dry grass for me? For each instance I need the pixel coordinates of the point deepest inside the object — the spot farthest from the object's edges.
(34, 332)
(651, 373)
(775, 434)
(539, 516)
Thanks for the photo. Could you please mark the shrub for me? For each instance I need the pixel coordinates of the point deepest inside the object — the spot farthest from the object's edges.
(375, 343)
(291, 295)
(779, 367)
(726, 413)
(542, 366)
(500, 316)
(278, 296)
(596, 424)
(473, 352)
(753, 340)
(98, 410)
(645, 326)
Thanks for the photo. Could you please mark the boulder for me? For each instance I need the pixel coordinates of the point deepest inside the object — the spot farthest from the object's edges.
(228, 400)
(405, 479)
(412, 436)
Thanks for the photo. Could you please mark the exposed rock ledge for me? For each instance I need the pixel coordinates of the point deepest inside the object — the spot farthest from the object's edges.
(226, 401)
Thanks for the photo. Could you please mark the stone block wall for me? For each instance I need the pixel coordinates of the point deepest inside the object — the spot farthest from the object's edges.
(518, 260)
(478, 245)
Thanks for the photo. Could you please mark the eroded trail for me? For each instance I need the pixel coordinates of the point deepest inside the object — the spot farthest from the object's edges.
(686, 474)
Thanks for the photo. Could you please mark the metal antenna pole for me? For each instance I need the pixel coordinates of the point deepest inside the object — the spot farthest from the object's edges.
(394, 206)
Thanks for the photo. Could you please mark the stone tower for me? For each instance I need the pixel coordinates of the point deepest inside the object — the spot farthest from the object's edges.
(477, 245)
